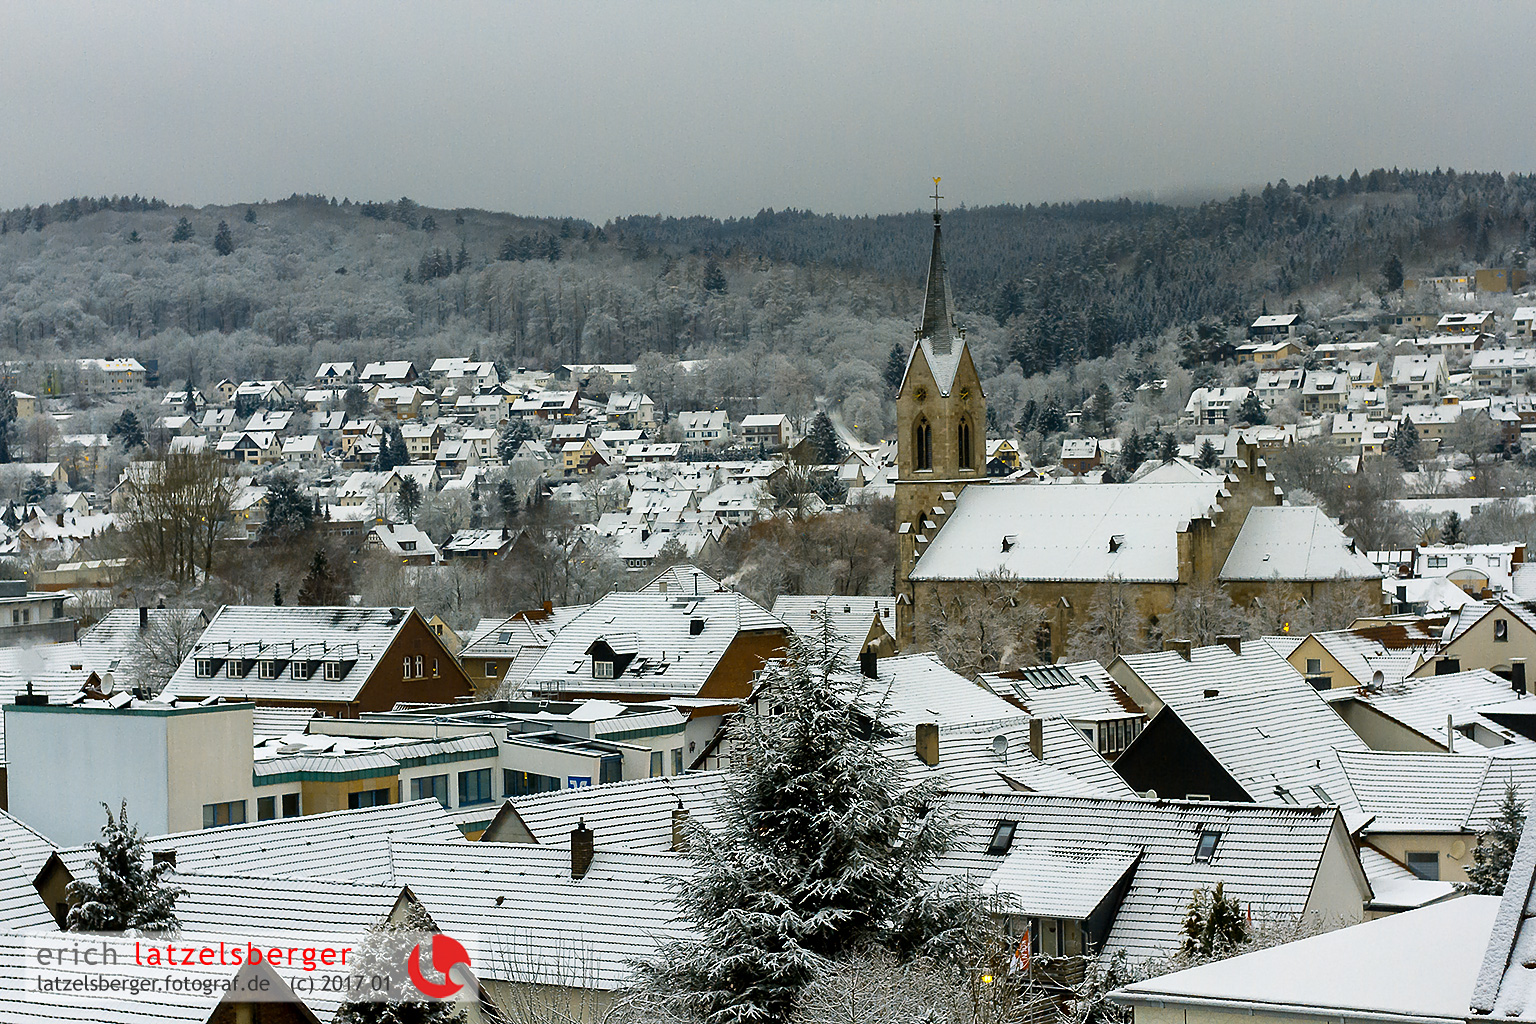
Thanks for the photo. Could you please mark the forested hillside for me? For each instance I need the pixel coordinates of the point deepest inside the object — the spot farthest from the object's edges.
(789, 307)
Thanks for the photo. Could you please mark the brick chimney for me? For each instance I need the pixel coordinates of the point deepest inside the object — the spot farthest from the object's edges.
(1233, 643)
(928, 744)
(869, 664)
(1037, 738)
(581, 849)
(1184, 648)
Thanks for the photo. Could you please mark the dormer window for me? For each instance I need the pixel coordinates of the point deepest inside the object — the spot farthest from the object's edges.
(234, 669)
(266, 669)
(333, 670)
(1206, 848)
(205, 668)
(602, 669)
(300, 670)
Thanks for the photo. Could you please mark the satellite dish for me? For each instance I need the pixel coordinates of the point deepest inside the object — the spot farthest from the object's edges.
(1000, 746)
(1377, 680)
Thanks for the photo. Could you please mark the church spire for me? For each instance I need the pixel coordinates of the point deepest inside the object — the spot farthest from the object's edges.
(938, 324)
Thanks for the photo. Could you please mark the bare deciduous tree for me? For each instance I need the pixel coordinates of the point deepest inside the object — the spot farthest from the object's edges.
(985, 625)
(161, 647)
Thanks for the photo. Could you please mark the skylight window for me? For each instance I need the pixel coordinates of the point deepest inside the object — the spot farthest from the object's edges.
(1002, 838)
(1206, 849)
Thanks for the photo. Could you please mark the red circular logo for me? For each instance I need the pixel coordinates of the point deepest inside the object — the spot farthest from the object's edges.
(447, 953)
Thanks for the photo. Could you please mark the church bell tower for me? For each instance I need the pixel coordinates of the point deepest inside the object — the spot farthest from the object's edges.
(941, 428)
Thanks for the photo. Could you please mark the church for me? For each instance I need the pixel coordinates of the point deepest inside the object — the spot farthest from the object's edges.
(1175, 526)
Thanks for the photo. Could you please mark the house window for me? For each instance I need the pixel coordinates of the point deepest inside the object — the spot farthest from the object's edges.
(234, 669)
(434, 668)
(300, 670)
(431, 787)
(475, 786)
(368, 798)
(266, 669)
(420, 674)
(1500, 631)
(1002, 838)
(610, 769)
(266, 808)
(657, 764)
(333, 670)
(1314, 666)
(490, 670)
(405, 667)
(1206, 848)
(1425, 864)
(1438, 561)
(602, 669)
(219, 815)
(290, 805)
(677, 760)
(204, 668)
(515, 783)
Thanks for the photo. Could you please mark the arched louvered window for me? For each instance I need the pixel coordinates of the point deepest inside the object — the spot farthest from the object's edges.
(922, 445)
(963, 444)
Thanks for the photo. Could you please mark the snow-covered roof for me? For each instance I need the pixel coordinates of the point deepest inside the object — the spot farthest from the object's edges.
(1276, 320)
(1266, 857)
(1294, 543)
(1422, 704)
(1081, 691)
(1434, 792)
(1085, 533)
(635, 815)
(325, 910)
(1503, 990)
(1416, 966)
(850, 618)
(529, 921)
(969, 758)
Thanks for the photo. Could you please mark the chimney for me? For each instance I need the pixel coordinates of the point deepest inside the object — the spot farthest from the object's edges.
(30, 699)
(1037, 738)
(679, 828)
(1517, 675)
(1234, 643)
(163, 857)
(581, 849)
(928, 744)
(1184, 648)
(661, 585)
(695, 626)
(1450, 733)
(143, 618)
(869, 664)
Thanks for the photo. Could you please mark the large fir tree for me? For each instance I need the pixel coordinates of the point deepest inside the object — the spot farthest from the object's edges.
(1214, 924)
(380, 955)
(823, 438)
(1495, 850)
(819, 851)
(128, 892)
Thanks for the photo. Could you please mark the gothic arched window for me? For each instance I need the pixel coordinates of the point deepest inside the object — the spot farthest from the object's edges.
(963, 443)
(922, 445)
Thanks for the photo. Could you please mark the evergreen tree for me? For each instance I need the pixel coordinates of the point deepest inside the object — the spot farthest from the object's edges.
(1213, 924)
(320, 586)
(429, 223)
(408, 499)
(128, 892)
(1208, 456)
(819, 850)
(1392, 273)
(1405, 444)
(354, 401)
(895, 367)
(183, 231)
(133, 237)
(476, 509)
(1132, 454)
(1251, 410)
(223, 241)
(392, 451)
(512, 439)
(250, 215)
(1495, 851)
(506, 497)
(289, 510)
(1450, 530)
(1104, 408)
(823, 438)
(1167, 446)
(385, 947)
(127, 427)
(277, 595)
(714, 277)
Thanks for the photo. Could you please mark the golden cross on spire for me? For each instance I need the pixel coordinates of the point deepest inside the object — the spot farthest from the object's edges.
(936, 196)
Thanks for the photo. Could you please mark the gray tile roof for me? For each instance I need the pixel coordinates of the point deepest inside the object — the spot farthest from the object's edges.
(1411, 791)
(1267, 857)
(356, 637)
(634, 815)
(1294, 542)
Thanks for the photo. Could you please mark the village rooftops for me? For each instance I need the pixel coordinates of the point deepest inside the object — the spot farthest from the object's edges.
(1294, 543)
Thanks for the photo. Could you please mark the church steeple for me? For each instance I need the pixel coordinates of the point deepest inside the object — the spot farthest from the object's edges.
(938, 323)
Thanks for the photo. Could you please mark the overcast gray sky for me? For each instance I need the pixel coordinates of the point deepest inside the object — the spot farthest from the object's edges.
(596, 110)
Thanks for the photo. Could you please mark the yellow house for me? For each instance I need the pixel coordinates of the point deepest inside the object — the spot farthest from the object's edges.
(1498, 636)
(1349, 658)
